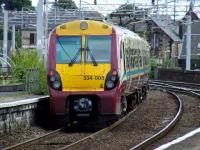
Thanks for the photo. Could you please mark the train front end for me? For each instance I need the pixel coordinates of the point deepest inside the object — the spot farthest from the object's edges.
(82, 71)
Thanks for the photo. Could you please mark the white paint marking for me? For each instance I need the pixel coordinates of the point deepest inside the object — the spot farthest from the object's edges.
(22, 102)
(178, 140)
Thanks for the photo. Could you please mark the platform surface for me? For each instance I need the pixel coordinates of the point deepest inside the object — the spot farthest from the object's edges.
(15, 96)
(189, 141)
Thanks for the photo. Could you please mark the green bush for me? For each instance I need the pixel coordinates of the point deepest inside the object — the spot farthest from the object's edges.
(153, 66)
(165, 63)
(26, 59)
(169, 63)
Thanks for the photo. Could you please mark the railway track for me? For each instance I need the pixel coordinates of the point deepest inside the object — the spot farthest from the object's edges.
(106, 139)
(164, 131)
(190, 116)
(49, 141)
(177, 86)
(60, 139)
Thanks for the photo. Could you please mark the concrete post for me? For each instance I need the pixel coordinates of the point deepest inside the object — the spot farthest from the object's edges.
(40, 28)
(157, 10)
(188, 44)
(22, 18)
(46, 31)
(80, 10)
(5, 38)
(13, 37)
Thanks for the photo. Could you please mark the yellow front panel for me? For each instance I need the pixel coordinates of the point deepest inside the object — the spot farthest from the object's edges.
(83, 77)
(94, 28)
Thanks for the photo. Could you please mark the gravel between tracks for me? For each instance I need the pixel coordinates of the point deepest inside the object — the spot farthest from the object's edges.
(20, 135)
(155, 113)
(189, 120)
(57, 141)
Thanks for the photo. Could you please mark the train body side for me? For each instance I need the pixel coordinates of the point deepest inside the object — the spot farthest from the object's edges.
(134, 61)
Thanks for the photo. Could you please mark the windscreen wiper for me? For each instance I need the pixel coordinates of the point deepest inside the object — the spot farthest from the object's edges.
(64, 49)
(91, 56)
(75, 57)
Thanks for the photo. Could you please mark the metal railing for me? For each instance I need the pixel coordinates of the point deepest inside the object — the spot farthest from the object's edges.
(32, 80)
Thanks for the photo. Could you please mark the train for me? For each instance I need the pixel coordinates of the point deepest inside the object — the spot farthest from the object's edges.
(96, 71)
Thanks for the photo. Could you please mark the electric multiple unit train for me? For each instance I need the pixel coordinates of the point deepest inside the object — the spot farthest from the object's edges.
(96, 71)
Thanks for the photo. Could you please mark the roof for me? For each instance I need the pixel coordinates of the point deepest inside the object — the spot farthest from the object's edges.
(166, 28)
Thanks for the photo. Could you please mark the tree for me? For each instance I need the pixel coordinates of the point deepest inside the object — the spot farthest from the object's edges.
(65, 4)
(17, 4)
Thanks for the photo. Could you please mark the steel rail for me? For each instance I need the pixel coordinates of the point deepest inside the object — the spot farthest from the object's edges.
(192, 86)
(176, 82)
(92, 136)
(165, 130)
(100, 132)
(31, 141)
(169, 86)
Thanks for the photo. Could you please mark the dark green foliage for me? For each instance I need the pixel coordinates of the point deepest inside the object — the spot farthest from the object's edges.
(169, 63)
(66, 4)
(1, 33)
(26, 59)
(165, 63)
(17, 4)
(18, 38)
(127, 7)
(123, 9)
(153, 65)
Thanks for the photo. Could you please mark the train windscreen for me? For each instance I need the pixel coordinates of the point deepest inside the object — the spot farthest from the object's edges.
(98, 48)
(68, 49)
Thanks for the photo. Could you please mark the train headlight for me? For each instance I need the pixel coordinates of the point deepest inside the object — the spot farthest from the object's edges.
(114, 78)
(111, 80)
(54, 80)
(109, 84)
(56, 84)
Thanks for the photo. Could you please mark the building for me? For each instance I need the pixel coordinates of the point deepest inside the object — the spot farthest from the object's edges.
(161, 32)
(195, 40)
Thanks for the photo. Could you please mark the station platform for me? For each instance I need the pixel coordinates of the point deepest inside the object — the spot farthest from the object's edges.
(20, 110)
(190, 141)
(16, 96)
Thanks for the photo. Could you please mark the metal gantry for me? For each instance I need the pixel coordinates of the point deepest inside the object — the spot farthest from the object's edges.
(46, 17)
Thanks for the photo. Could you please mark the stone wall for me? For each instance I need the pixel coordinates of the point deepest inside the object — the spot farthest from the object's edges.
(15, 116)
(178, 75)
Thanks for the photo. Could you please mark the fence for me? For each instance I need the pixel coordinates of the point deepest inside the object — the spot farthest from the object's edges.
(32, 80)
(29, 78)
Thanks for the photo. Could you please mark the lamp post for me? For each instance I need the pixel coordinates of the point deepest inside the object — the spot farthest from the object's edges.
(80, 10)
(188, 43)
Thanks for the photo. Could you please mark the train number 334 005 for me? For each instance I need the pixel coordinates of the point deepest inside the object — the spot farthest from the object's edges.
(88, 77)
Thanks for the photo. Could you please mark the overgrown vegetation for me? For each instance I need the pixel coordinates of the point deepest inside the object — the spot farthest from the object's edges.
(165, 63)
(27, 59)
(153, 66)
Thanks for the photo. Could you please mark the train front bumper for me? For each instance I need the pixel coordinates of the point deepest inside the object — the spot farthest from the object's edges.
(108, 101)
